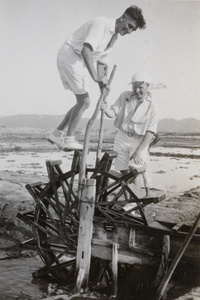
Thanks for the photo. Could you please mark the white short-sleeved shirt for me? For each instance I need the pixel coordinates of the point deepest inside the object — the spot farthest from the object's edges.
(100, 34)
(135, 116)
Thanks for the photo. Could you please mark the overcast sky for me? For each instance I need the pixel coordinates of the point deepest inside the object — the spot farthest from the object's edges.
(32, 32)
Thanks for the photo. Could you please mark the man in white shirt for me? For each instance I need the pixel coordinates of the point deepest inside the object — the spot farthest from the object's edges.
(136, 117)
(91, 43)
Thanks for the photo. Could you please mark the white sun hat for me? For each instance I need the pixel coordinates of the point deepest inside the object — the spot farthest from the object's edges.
(141, 76)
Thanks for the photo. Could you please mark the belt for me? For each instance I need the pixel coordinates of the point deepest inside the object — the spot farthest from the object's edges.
(130, 134)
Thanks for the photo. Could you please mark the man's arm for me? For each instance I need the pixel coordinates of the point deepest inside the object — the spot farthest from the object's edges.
(146, 141)
(109, 111)
(102, 71)
(87, 57)
(148, 138)
(113, 111)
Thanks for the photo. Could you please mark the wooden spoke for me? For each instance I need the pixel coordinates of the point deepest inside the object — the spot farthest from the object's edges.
(55, 225)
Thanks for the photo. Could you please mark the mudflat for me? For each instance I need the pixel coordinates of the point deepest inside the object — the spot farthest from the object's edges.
(14, 197)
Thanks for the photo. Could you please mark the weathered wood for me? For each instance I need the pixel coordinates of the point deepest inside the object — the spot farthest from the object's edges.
(99, 145)
(117, 237)
(80, 280)
(100, 174)
(82, 174)
(135, 245)
(115, 267)
(85, 234)
(162, 269)
(176, 260)
(131, 238)
(103, 249)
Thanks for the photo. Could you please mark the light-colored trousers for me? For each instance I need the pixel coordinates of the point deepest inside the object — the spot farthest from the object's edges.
(125, 146)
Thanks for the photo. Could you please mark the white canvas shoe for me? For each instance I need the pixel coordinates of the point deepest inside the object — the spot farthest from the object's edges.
(57, 140)
(71, 144)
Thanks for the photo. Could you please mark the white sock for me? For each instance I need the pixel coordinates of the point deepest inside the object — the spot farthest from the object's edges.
(69, 137)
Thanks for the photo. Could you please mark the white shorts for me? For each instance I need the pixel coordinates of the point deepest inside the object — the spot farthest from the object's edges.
(72, 70)
(125, 146)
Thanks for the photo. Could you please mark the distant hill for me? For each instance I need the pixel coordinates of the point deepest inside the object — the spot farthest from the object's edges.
(189, 125)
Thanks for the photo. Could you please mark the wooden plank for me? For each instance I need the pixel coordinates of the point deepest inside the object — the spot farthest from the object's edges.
(158, 225)
(53, 162)
(122, 247)
(125, 255)
(38, 184)
(132, 238)
(85, 233)
(114, 174)
(192, 253)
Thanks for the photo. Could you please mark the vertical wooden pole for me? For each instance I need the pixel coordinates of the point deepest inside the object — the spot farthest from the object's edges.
(102, 98)
(99, 145)
(115, 267)
(83, 257)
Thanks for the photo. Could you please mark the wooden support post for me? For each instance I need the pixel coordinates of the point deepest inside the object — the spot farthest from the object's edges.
(115, 267)
(164, 260)
(83, 258)
(132, 238)
(176, 260)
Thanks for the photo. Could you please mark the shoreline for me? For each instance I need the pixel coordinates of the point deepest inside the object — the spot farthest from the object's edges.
(15, 198)
(27, 152)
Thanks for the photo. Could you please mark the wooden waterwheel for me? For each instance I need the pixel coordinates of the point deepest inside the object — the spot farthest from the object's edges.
(55, 224)
(120, 239)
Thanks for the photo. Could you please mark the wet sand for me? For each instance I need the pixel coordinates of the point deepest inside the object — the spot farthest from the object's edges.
(173, 174)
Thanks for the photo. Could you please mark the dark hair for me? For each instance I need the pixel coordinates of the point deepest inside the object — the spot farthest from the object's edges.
(136, 13)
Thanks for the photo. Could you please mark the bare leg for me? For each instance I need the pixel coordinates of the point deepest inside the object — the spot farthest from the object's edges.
(83, 103)
(65, 121)
(70, 122)
(73, 116)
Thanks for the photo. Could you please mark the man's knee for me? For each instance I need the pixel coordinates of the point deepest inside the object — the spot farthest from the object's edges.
(83, 100)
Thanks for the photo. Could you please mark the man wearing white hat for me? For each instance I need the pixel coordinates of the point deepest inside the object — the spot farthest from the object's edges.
(136, 117)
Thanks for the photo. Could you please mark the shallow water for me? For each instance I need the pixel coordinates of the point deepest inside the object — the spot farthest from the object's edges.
(174, 175)
(16, 278)
(176, 150)
(16, 283)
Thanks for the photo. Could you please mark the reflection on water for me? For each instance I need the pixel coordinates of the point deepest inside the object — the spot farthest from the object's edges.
(174, 150)
(16, 277)
(174, 175)
(33, 162)
(16, 283)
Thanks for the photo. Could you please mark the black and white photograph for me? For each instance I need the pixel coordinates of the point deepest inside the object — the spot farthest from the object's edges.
(100, 150)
